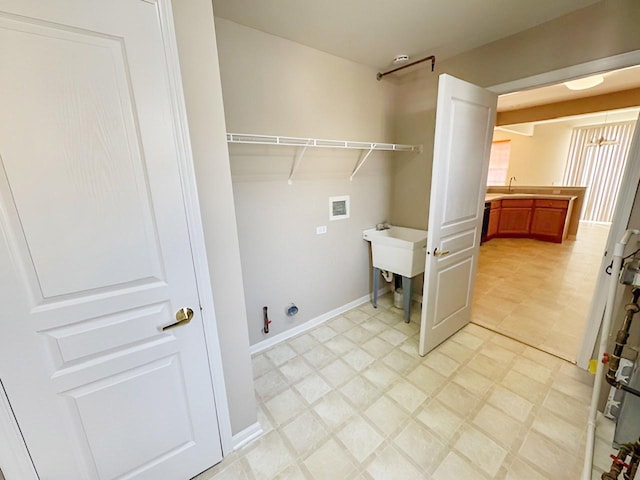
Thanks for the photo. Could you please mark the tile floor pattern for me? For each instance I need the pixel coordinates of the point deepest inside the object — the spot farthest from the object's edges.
(538, 292)
(351, 399)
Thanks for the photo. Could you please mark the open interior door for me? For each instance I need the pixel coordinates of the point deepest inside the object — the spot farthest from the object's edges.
(465, 118)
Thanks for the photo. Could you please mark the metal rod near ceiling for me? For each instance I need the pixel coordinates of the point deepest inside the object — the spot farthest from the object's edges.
(431, 57)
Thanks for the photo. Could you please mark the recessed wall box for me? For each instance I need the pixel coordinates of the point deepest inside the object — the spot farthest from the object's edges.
(339, 207)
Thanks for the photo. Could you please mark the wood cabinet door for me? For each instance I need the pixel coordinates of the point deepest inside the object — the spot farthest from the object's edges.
(514, 221)
(548, 223)
(494, 219)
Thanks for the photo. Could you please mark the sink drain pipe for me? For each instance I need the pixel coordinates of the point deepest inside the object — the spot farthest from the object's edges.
(388, 276)
(618, 252)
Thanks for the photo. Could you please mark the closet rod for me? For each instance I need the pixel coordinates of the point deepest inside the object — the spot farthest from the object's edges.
(431, 57)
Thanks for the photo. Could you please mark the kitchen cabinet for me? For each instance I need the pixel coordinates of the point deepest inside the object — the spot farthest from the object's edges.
(549, 220)
(494, 219)
(515, 218)
(544, 219)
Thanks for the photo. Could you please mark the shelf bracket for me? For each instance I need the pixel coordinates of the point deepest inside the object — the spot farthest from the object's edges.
(297, 160)
(363, 158)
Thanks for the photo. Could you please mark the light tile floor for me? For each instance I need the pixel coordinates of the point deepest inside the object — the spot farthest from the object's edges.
(352, 399)
(538, 292)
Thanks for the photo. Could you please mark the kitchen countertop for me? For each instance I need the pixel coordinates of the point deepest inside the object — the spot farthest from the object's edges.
(501, 196)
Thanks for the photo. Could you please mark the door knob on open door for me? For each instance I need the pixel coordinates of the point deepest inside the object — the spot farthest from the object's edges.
(183, 316)
(440, 253)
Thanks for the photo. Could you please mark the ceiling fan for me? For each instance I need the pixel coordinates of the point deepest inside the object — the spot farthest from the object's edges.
(602, 141)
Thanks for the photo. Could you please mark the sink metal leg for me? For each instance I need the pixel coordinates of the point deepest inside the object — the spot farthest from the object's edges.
(406, 298)
(376, 282)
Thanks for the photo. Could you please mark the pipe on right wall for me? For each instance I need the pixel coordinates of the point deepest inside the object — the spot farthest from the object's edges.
(618, 253)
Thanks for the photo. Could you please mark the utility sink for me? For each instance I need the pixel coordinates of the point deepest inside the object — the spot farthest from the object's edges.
(400, 250)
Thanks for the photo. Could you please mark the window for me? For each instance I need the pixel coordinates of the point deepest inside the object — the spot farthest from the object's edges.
(499, 162)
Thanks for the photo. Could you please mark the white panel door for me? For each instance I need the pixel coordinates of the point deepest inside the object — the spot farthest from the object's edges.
(465, 118)
(95, 256)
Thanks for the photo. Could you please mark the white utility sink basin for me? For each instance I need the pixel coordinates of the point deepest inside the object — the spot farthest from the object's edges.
(399, 250)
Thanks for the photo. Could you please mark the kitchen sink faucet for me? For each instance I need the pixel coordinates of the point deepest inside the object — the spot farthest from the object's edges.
(512, 179)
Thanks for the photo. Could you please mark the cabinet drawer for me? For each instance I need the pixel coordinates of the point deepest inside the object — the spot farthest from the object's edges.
(495, 204)
(545, 203)
(517, 203)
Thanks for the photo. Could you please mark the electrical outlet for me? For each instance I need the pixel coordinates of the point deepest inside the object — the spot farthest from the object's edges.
(321, 230)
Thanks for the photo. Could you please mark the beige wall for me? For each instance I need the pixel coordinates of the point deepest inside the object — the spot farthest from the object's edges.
(277, 87)
(601, 30)
(541, 158)
(201, 80)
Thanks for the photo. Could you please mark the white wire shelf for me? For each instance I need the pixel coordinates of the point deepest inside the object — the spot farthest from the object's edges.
(315, 142)
(304, 143)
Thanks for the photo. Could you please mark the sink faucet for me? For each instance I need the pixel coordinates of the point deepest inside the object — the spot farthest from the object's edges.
(512, 179)
(383, 226)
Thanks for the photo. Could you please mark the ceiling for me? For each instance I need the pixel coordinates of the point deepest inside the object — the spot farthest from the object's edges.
(373, 32)
(614, 81)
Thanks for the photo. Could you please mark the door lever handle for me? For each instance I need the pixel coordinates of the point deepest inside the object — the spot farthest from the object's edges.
(440, 253)
(183, 316)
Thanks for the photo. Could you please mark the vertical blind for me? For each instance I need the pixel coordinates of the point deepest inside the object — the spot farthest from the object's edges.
(597, 156)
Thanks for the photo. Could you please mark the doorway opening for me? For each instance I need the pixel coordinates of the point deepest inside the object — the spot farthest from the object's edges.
(539, 292)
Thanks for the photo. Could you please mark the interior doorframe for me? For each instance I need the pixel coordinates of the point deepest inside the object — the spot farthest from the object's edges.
(194, 224)
(15, 460)
(14, 454)
(620, 222)
(624, 202)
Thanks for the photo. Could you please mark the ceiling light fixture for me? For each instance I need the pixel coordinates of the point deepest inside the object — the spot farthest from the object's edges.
(584, 83)
(400, 59)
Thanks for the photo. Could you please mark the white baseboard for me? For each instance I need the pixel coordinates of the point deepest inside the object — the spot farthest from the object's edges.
(308, 325)
(593, 222)
(246, 436)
